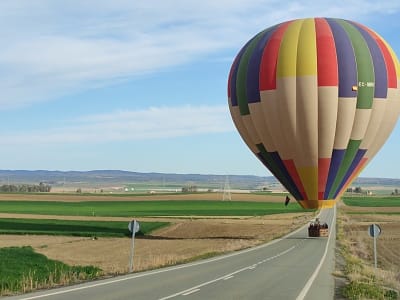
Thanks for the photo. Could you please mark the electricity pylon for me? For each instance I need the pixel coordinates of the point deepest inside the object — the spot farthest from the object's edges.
(227, 191)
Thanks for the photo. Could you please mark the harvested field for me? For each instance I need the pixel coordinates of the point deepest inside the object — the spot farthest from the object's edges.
(185, 239)
(388, 242)
(372, 210)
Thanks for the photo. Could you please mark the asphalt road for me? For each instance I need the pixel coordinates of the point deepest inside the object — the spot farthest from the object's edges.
(293, 267)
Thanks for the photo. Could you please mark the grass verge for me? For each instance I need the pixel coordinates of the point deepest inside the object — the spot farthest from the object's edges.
(363, 281)
(23, 270)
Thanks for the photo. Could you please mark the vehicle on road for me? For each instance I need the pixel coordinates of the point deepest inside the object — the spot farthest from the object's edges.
(316, 229)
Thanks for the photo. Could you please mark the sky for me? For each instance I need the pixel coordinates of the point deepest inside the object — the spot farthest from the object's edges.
(141, 85)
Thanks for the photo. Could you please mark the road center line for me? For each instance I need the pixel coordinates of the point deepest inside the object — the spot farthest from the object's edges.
(191, 292)
(222, 277)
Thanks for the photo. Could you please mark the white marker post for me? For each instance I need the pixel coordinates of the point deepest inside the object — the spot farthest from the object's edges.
(374, 231)
(133, 227)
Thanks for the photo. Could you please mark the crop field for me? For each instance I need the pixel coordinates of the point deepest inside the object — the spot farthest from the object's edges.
(148, 208)
(22, 269)
(73, 227)
(372, 201)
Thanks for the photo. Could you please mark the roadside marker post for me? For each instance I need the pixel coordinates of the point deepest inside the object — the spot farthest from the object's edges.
(133, 227)
(374, 231)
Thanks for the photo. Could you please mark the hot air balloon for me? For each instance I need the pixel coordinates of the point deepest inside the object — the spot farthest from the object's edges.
(315, 99)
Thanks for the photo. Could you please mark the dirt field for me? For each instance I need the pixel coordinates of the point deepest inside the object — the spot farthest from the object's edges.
(185, 239)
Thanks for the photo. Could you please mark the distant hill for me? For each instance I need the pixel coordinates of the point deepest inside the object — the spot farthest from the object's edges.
(117, 177)
(120, 178)
(376, 181)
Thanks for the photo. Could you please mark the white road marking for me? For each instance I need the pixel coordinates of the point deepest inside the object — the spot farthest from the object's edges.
(252, 267)
(191, 292)
(310, 281)
(129, 277)
(222, 277)
(201, 285)
(228, 277)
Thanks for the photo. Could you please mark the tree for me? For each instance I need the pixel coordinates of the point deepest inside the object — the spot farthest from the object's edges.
(25, 188)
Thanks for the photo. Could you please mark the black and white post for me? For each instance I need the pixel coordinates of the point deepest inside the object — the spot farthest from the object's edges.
(133, 227)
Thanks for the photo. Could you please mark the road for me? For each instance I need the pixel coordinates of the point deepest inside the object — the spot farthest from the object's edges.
(292, 267)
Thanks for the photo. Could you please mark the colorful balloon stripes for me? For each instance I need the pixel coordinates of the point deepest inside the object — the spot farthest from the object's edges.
(315, 99)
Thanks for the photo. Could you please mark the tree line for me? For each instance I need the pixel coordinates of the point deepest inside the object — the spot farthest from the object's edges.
(25, 188)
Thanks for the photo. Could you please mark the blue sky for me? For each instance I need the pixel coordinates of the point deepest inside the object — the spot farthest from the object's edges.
(141, 85)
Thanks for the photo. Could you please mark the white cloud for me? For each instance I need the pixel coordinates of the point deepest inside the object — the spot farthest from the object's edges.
(151, 123)
(50, 48)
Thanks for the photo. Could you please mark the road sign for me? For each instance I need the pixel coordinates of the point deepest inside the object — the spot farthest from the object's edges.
(134, 225)
(374, 230)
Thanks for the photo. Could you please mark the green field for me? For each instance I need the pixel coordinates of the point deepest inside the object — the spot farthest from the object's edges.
(22, 269)
(369, 201)
(147, 208)
(269, 193)
(74, 228)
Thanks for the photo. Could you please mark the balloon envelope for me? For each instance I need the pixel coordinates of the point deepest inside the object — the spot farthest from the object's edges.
(315, 99)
